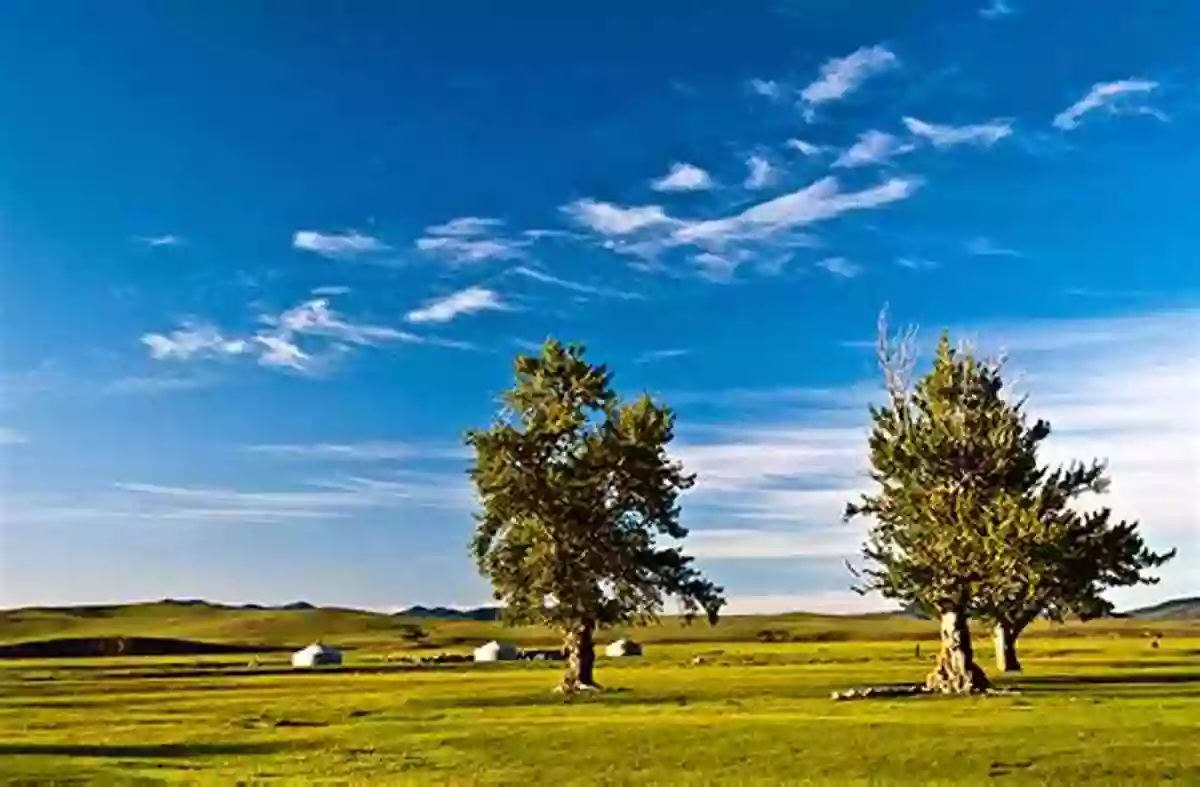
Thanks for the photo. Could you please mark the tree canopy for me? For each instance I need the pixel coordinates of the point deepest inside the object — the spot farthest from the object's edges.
(967, 521)
(1053, 560)
(577, 490)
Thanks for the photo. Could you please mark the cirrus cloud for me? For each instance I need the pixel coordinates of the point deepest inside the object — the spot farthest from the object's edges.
(683, 177)
(872, 147)
(843, 75)
(337, 245)
(1113, 96)
(982, 134)
(468, 301)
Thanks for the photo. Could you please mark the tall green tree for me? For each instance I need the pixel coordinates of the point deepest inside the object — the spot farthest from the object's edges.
(576, 489)
(941, 452)
(968, 521)
(1054, 560)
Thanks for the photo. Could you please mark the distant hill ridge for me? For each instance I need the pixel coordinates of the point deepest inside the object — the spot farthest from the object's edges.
(1175, 609)
(1186, 608)
(450, 613)
(291, 625)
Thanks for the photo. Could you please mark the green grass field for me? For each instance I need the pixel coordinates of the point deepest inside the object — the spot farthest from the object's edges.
(1097, 704)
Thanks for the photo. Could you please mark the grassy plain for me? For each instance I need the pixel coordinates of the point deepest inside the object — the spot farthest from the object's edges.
(1097, 704)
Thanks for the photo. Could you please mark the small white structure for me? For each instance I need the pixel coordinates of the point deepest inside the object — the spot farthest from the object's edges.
(316, 655)
(497, 651)
(623, 647)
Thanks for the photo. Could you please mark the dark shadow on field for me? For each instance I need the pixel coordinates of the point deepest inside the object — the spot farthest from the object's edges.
(259, 672)
(147, 750)
(1107, 680)
(1153, 664)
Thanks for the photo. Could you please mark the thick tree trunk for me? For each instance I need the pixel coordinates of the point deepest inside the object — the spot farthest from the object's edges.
(581, 658)
(956, 671)
(1005, 639)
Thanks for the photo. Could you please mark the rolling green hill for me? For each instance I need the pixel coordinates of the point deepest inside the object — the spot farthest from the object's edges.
(297, 624)
(1175, 609)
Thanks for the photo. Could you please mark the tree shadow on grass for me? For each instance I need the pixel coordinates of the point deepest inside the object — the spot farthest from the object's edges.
(1066, 681)
(146, 750)
(1145, 685)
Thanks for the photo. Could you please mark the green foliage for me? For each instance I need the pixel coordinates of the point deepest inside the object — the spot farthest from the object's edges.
(576, 487)
(1054, 560)
(942, 455)
(967, 517)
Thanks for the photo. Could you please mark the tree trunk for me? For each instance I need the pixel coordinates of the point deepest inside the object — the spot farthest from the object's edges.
(1005, 639)
(581, 658)
(956, 671)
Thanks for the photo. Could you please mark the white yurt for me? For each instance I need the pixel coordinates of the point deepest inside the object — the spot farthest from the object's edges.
(496, 651)
(623, 647)
(316, 655)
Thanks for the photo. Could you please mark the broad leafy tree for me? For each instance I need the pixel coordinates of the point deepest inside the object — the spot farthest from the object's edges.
(941, 451)
(1054, 561)
(577, 490)
(967, 521)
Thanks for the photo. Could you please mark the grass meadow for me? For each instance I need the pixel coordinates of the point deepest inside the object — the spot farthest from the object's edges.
(1096, 704)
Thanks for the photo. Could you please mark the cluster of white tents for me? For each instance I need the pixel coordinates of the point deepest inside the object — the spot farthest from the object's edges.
(503, 651)
(319, 655)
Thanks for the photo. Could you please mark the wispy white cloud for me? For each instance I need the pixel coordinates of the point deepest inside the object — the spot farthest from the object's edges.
(760, 173)
(308, 337)
(328, 290)
(840, 266)
(722, 243)
(468, 301)
(282, 353)
(465, 226)
(767, 88)
(982, 134)
(370, 451)
(817, 202)
(338, 498)
(762, 544)
(316, 318)
(916, 263)
(805, 148)
(1114, 97)
(574, 286)
(609, 219)
(872, 147)
(235, 497)
(982, 246)
(469, 240)
(10, 436)
(996, 9)
(715, 267)
(193, 340)
(470, 250)
(158, 241)
(336, 245)
(683, 177)
(662, 355)
(843, 75)
(156, 384)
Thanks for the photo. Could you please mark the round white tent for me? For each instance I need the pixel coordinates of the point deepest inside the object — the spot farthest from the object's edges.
(316, 655)
(623, 647)
(496, 651)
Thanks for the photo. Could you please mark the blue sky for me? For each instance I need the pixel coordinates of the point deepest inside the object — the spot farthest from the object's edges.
(263, 265)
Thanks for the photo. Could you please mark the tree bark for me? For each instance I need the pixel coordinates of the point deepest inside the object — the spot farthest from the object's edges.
(580, 646)
(1005, 639)
(956, 671)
